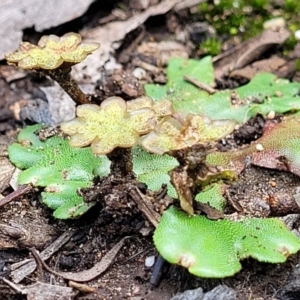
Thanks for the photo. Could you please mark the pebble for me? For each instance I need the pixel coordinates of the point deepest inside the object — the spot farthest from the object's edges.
(259, 147)
(273, 183)
(149, 261)
(297, 35)
(271, 115)
(275, 23)
(139, 73)
(220, 292)
(14, 179)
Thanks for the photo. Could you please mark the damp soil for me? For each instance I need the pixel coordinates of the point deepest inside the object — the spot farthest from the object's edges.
(128, 278)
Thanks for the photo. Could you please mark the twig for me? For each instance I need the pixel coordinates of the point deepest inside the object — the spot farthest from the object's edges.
(14, 286)
(20, 264)
(89, 274)
(26, 269)
(84, 288)
(134, 255)
(187, 4)
(39, 266)
(146, 66)
(143, 206)
(22, 190)
(199, 84)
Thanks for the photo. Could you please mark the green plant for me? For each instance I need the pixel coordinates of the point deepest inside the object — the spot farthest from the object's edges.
(54, 56)
(210, 46)
(235, 17)
(167, 141)
(264, 239)
(278, 148)
(108, 126)
(245, 19)
(182, 131)
(213, 195)
(153, 169)
(264, 93)
(213, 248)
(61, 169)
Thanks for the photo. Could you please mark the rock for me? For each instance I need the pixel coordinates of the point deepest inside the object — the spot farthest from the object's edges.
(275, 23)
(297, 35)
(17, 15)
(221, 292)
(291, 289)
(149, 261)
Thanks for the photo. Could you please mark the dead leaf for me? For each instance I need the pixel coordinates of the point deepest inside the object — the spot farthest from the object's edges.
(211, 213)
(182, 183)
(93, 272)
(6, 171)
(42, 291)
(160, 53)
(20, 271)
(273, 65)
(111, 35)
(82, 287)
(248, 51)
(6, 167)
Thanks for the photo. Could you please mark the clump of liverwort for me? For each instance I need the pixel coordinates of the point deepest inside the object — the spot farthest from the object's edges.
(54, 56)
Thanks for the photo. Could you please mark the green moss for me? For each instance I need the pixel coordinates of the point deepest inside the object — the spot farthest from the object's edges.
(245, 18)
(211, 46)
(236, 17)
(291, 6)
(289, 45)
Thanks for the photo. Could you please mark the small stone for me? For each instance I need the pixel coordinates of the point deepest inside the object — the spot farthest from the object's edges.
(139, 73)
(219, 292)
(259, 147)
(275, 23)
(135, 290)
(14, 179)
(149, 261)
(297, 35)
(273, 183)
(278, 94)
(297, 198)
(271, 115)
(145, 231)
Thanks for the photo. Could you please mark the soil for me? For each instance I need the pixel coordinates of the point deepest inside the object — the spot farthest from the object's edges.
(94, 234)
